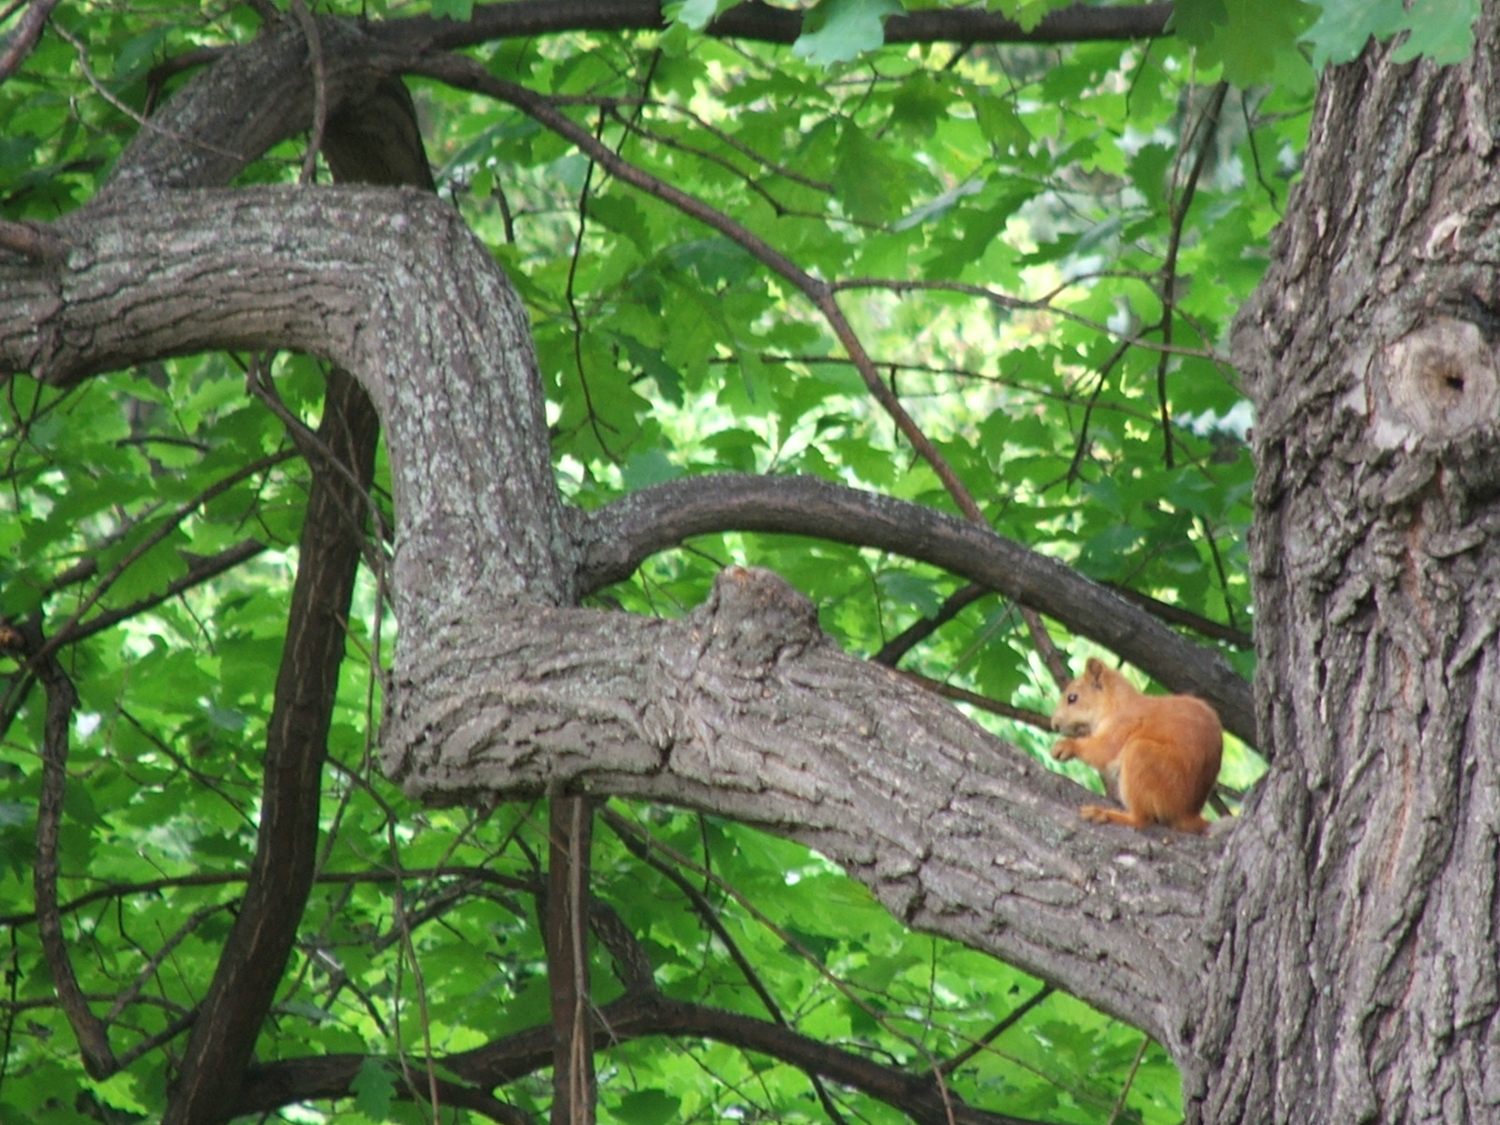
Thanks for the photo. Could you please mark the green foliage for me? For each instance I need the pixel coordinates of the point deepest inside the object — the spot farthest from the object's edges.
(1441, 29)
(835, 31)
(1008, 213)
(1247, 37)
(461, 10)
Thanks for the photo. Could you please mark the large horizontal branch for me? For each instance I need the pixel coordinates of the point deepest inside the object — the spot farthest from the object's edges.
(764, 23)
(617, 538)
(385, 282)
(746, 709)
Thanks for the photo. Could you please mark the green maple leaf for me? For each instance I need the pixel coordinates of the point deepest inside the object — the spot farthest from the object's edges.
(840, 30)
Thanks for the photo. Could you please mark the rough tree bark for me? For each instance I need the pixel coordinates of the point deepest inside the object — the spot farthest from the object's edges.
(1334, 959)
(1354, 927)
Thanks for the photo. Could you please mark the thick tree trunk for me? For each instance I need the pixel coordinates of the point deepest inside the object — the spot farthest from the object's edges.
(1355, 922)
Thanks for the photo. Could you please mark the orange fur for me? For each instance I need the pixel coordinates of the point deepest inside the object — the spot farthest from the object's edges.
(1162, 750)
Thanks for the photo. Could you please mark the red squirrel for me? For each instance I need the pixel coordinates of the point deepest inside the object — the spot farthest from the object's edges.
(1161, 751)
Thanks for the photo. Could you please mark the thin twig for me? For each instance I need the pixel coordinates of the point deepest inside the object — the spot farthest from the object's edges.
(570, 291)
(734, 142)
(1186, 618)
(1080, 450)
(893, 650)
(1210, 122)
(1055, 661)
(974, 699)
(1015, 1016)
(320, 90)
(1006, 301)
(157, 536)
(402, 923)
(623, 826)
(200, 571)
(1129, 1081)
(710, 917)
(128, 996)
(260, 385)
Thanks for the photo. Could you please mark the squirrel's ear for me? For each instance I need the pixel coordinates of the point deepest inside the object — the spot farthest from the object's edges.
(1094, 667)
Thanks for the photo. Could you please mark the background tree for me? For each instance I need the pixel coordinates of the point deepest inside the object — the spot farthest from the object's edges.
(950, 298)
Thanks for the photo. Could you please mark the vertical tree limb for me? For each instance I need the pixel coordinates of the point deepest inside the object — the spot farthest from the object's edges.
(93, 1040)
(574, 1087)
(254, 957)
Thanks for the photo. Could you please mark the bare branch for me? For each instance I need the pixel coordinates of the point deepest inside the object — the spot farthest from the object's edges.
(765, 23)
(93, 1037)
(892, 651)
(24, 38)
(68, 631)
(1208, 122)
(984, 703)
(475, 875)
(269, 1086)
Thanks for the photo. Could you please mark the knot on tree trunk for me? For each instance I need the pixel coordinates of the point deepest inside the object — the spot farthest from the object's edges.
(1439, 382)
(754, 618)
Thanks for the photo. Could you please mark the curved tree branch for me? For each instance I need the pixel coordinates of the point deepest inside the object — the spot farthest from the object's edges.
(93, 1035)
(269, 1086)
(254, 956)
(746, 709)
(618, 537)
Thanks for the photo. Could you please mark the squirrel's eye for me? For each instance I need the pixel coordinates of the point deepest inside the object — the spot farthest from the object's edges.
(1072, 697)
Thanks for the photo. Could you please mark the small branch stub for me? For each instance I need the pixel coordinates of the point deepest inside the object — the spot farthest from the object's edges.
(1440, 380)
(757, 616)
(33, 241)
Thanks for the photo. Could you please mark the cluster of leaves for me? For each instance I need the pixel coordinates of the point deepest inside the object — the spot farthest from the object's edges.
(1041, 247)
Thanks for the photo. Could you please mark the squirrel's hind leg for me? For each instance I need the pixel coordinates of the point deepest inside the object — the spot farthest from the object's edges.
(1100, 815)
